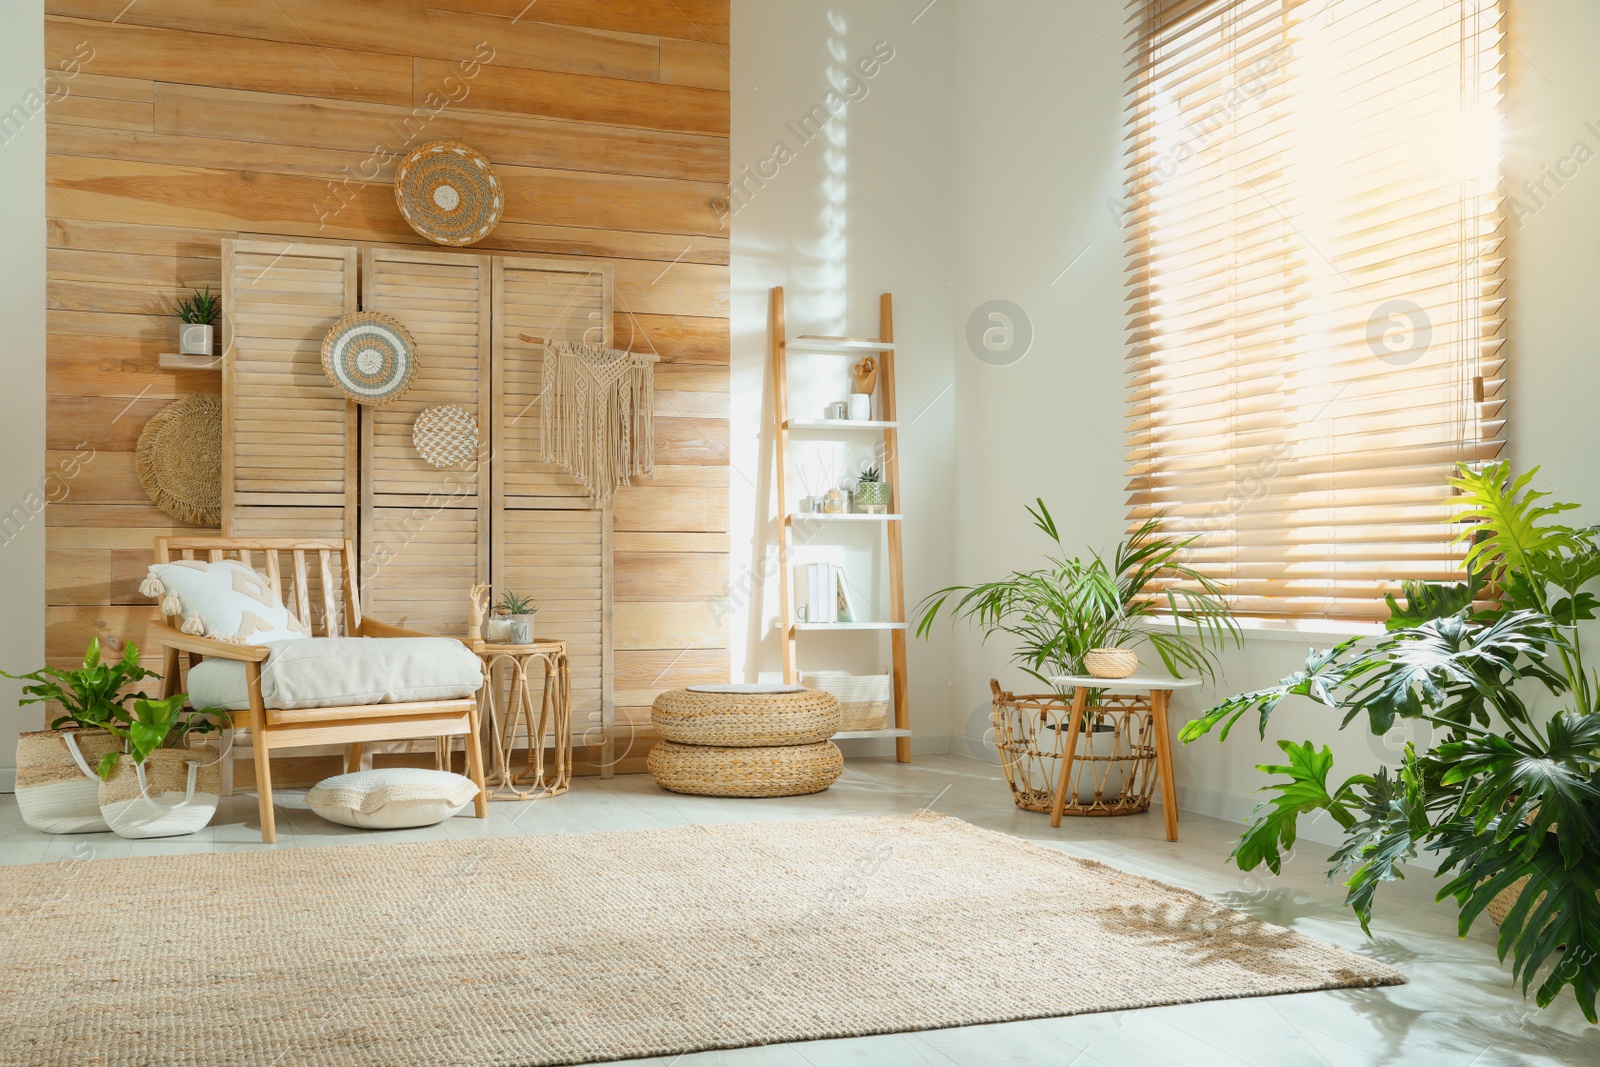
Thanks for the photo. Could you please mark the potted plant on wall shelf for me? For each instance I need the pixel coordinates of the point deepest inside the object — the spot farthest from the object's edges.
(57, 793)
(198, 313)
(1509, 797)
(1061, 614)
(160, 787)
(872, 492)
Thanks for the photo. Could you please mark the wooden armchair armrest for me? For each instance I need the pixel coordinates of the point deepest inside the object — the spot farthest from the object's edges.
(374, 628)
(205, 646)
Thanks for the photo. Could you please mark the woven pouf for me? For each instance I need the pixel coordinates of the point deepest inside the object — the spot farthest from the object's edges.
(765, 771)
(746, 716)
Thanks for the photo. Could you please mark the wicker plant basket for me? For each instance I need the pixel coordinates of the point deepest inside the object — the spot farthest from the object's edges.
(740, 718)
(1111, 662)
(1114, 772)
(54, 794)
(719, 771)
(163, 798)
(863, 698)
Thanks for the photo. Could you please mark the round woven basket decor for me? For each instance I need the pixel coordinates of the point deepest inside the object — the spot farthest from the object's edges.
(746, 719)
(370, 358)
(771, 771)
(445, 435)
(448, 193)
(179, 459)
(1111, 662)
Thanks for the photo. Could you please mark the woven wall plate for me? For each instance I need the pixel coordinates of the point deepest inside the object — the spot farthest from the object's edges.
(370, 358)
(445, 435)
(179, 459)
(448, 193)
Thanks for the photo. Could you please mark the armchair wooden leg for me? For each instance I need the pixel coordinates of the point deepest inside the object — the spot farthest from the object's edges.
(474, 745)
(352, 756)
(269, 826)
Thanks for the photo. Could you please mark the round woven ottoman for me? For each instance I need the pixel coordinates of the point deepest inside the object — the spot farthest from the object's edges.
(764, 771)
(745, 716)
(745, 740)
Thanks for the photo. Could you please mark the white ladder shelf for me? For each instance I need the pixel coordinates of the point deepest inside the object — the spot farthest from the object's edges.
(882, 347)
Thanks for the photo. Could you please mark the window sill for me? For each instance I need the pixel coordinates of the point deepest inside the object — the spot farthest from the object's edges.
(1299, 630)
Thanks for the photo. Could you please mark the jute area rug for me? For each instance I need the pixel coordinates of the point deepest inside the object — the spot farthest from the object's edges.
(586, 947)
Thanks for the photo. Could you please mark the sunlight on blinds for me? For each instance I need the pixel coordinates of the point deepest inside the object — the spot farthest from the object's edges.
(1314, 226)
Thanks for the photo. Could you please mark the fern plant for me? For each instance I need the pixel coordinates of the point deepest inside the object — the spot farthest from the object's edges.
(512, 604)
(91, 695)
(199, 309)
(1143, 595)
(153, 724)
(1510, 799)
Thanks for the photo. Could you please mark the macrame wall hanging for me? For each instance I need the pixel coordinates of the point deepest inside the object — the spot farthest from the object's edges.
(599, 414)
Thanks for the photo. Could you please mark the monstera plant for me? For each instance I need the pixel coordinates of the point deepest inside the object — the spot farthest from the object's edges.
(1509, 799)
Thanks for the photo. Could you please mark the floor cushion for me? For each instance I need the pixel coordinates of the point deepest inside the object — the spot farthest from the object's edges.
(320, 672)
(392, 798)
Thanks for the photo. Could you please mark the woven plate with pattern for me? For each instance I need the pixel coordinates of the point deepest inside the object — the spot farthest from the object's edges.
(448, 193)
(369, 357)
(445, 435)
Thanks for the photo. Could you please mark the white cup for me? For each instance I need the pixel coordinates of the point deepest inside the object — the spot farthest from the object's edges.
(861, 407)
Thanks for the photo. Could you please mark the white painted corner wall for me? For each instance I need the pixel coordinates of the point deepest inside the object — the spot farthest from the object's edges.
(981, 166)
(22, 275)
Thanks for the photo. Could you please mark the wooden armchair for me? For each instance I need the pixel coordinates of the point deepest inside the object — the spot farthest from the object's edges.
(272, 729)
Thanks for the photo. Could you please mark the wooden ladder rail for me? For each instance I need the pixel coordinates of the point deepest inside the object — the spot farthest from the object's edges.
(898, 638)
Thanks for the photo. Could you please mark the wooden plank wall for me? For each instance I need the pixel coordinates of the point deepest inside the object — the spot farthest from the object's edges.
(193, 121)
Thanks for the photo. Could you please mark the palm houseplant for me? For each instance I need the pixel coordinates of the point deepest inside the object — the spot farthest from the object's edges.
(1060, 617)
(1509, 799)
(57, 792)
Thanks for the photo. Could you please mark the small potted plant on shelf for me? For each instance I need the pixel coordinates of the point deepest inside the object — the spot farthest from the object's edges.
(160, 787)
(515, 615)
(872, 492)
(198, 313)
(1506, 796)
(56, 791)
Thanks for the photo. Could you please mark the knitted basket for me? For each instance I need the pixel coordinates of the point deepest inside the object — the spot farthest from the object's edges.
(746, 719)
(54, 794)
(775, 771)
(1111, 662)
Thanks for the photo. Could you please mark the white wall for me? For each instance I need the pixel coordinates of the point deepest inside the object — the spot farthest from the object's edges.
(1036, 155)
(859, 211)
(22, 269)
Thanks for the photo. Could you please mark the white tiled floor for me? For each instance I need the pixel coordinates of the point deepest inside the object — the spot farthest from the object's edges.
(1458, 1010)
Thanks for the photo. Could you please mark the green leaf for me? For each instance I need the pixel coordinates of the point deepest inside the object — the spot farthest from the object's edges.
(1508, 529)
(1272, 826)
(1428, 600)
(108, 765)
(1395, 823)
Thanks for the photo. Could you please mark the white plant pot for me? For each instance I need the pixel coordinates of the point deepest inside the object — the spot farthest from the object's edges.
(511, 630)
(174, 792)
(860, 409)
(57, 789)
(196, 340)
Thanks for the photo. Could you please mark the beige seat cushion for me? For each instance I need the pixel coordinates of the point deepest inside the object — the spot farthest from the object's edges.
(321, 672)
(392, 798)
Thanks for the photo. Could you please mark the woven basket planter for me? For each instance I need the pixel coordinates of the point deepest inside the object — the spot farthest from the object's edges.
(773, 771)
(746, 719)
(1114, 770)
(54, 794)
(164, 798)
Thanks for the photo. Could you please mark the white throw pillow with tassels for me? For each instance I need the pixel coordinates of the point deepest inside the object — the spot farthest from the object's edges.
(225, 600)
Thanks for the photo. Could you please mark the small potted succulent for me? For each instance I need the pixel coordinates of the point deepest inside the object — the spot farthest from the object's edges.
(160, 787)
(56, 791)
(872, 492)
(515, 615)
(198, 313)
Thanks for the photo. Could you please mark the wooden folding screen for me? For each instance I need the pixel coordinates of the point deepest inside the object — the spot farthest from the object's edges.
(426, 535)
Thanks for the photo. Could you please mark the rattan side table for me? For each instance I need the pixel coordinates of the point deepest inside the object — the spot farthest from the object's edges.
(535, 780)
(1159, 689)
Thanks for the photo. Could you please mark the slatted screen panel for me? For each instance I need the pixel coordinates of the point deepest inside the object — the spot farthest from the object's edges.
(424, 530)
(556, 301)
(289, 437)
(558, 556)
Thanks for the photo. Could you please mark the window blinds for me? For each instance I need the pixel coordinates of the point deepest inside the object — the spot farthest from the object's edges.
(1314, 228)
